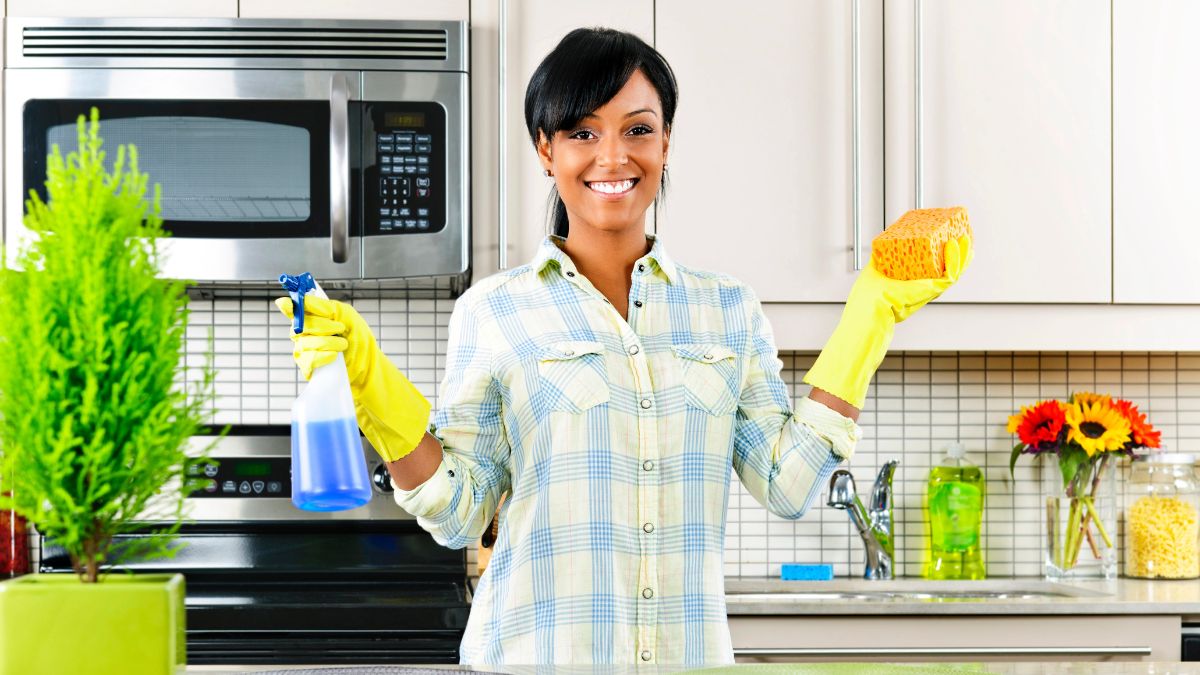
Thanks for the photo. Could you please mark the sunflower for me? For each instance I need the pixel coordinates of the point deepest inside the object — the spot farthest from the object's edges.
(1038, 426)
(1089, 397)
(1143, 434)
(1096, 425)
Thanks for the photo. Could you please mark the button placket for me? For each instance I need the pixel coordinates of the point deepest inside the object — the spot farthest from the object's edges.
(649, 497)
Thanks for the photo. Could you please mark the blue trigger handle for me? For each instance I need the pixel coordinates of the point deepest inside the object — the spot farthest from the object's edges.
(297, 287)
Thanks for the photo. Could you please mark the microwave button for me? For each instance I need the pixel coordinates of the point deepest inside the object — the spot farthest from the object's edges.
(423, 224)
(422, 182)
(424, 138)
(424, 148)
(406, 212)
(410, 223)
(385, 159)
(385, 224)
(386, 147)
(423, 159)
(386, 168)
(407, 147)
(423, 170)
(423, 212)
(385, 212)
(410, 160)
(410, 169)
(383, 138)
(404, 136)
(422, 192)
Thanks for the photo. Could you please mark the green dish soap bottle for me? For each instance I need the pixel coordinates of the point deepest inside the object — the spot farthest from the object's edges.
(954, 505)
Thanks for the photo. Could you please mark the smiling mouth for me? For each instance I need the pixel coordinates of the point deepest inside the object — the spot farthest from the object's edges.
(616, 187)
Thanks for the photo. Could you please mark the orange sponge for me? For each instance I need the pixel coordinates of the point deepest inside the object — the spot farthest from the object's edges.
(913, 247)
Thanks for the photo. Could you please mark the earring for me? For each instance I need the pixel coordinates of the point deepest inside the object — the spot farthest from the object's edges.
(546, 172)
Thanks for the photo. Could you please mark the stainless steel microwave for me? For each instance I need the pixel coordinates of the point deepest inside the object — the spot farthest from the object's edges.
(335, 147)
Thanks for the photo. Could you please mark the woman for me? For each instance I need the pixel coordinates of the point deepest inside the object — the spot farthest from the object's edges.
(607, 390)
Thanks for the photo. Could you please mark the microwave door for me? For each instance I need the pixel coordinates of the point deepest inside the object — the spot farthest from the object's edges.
(255, 166)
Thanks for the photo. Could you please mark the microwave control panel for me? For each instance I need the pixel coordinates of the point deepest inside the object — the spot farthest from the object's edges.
(405, 168)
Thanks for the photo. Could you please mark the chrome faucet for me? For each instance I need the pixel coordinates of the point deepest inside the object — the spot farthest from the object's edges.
(874, 524)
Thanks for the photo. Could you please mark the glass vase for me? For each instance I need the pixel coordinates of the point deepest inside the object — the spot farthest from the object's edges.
(1080, 539)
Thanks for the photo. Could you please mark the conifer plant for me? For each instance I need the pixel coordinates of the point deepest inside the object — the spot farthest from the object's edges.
(95, 402)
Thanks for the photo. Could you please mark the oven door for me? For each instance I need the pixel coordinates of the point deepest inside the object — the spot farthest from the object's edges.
(255, 165)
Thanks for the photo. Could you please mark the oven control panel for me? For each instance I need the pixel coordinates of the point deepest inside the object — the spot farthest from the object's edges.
(245, 477)
(404, 160)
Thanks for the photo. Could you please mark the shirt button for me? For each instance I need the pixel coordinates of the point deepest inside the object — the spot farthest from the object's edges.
(708, 357)
(647, 593)
(648, 528)
(641, 268)
(648, 465)
(633, 350)
(568, 352)
(646, 655)
(637, 303)
(646, 403)
(570, 274)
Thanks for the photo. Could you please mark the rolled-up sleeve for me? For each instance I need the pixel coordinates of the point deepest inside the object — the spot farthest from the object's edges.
(457, 503)
(783, 457)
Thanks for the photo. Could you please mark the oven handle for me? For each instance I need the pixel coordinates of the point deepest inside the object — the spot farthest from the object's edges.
(339, 167)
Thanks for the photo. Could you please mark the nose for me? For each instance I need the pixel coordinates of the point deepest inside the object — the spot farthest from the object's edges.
(611, 152)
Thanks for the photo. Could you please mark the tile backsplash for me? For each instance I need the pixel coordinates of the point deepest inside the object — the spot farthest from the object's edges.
(918, 403)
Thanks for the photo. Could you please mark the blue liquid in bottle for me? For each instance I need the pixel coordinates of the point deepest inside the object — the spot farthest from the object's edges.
(329, 471)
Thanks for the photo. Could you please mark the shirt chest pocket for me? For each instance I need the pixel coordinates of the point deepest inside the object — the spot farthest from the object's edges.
(573, 376)
(710, 376)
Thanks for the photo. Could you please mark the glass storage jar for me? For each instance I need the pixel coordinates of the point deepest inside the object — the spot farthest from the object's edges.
(1162, 505)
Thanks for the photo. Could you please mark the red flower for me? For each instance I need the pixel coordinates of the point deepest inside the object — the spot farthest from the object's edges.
(1039, 426)
(1143, 434)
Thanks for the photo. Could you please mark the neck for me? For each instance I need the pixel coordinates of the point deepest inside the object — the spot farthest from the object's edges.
(606, 256)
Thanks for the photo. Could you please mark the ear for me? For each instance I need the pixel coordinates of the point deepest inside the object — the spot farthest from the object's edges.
(543, 150)
(666, 145)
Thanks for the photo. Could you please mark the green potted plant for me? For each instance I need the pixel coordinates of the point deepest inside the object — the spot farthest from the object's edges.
(95, 412)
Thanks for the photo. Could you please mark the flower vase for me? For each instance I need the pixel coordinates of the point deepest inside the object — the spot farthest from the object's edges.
(1080, 540)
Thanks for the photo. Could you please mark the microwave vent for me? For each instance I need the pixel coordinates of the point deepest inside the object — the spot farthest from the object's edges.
(214, 42)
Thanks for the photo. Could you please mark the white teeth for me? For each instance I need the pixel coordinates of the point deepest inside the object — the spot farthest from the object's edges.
(612, 188)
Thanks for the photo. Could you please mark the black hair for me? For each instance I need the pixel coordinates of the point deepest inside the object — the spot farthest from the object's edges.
(587, 68)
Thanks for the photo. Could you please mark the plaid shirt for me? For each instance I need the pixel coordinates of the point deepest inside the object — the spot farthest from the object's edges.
(614, 439)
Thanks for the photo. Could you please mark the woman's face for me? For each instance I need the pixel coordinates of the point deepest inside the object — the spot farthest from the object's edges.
(609, 166)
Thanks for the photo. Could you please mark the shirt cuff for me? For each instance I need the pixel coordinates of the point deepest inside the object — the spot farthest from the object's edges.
(431, 497)
(841, 432)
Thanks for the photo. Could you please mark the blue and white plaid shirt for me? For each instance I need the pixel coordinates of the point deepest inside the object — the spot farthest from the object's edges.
(614, 439)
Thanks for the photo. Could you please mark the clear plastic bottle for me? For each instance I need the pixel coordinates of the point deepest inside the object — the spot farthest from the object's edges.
(329, 470)
(954, 506)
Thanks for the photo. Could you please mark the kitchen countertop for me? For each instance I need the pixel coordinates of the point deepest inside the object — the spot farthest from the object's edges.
(1025, 595)
(1026, 668)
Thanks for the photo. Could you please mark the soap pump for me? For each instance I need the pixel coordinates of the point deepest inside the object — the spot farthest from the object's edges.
(954, 513)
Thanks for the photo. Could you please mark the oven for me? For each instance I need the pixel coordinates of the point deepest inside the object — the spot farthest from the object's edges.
(335, 147)
(270, 584)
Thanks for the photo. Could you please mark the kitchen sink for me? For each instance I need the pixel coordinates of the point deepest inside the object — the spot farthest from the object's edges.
(905, 590)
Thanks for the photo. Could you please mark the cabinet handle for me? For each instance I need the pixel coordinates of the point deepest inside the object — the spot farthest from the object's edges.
(502, 42)
(918, 109)
(909, 651)
(339, 168)
(856, 123)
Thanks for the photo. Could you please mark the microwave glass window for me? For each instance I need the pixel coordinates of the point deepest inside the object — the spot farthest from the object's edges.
(213, 169)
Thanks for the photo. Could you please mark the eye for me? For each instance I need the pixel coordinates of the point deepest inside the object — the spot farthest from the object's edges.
(641, 130)
(581, 135)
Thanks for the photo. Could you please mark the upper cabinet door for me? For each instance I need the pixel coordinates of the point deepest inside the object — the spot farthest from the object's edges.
(116, 8)
(1015, 125)
(406, 10)
(1156, 142)
(762, 156)
(532, 29)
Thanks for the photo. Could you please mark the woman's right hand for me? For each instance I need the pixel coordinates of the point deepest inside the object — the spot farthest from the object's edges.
(329, 327)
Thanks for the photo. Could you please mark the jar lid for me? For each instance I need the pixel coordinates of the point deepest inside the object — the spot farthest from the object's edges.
(1166, 458)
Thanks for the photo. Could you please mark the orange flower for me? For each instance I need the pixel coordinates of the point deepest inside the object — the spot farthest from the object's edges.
(1038, 426)
(1143, 434)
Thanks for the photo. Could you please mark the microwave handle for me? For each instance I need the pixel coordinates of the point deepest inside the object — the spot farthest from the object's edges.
(339, 167)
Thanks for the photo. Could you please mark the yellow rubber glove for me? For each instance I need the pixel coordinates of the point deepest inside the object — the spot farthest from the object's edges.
(876, 304)
(392, 414)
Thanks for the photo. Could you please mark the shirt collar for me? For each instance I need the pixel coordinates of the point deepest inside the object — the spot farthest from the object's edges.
(550, 251)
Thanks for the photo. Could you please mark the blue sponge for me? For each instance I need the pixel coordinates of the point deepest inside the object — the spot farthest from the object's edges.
(807, 572)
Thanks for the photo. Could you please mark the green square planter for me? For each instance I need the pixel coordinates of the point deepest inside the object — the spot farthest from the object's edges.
(127, 625)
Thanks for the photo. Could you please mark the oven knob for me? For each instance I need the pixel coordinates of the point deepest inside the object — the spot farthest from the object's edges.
(382, 479)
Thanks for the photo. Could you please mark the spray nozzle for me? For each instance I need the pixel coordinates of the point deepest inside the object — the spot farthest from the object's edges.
(956, 450)
(297, 287)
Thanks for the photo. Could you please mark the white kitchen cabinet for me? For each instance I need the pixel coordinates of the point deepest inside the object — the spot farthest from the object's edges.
(1045, 637)
(762, 155)
(117, 8)
(1156, 243)
(1015, 125)
(443, 10)
(533, 28)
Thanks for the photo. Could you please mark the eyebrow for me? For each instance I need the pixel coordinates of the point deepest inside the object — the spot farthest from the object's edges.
(635, 112)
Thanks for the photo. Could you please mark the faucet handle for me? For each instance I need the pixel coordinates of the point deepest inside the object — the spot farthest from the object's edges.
(881, 493)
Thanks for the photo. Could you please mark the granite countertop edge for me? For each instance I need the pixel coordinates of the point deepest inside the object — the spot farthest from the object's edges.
(746, 596)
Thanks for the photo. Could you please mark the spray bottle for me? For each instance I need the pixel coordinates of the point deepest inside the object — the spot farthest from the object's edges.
(329, 471)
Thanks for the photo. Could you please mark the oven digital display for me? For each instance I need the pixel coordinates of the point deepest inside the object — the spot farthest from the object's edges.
(251, 469)
(404, 119)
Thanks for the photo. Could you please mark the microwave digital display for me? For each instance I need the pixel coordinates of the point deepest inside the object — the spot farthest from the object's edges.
(404, 119)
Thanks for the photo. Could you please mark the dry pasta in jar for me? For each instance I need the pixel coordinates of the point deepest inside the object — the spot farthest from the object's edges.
(1162, 518)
